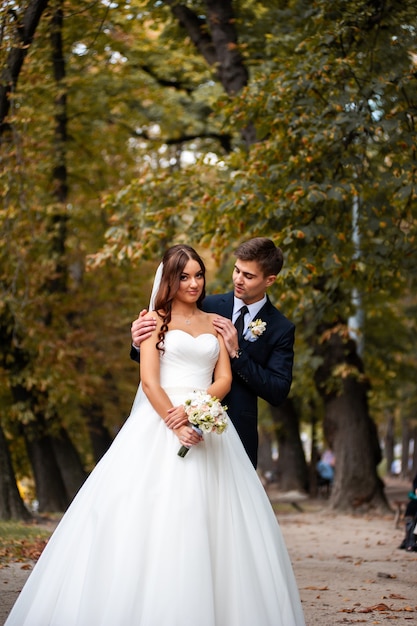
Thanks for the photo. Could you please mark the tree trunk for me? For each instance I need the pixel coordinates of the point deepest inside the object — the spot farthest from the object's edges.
(414, 461)
(266, 464)
(389, 442)
(11, 504)
(292, 468)
(100, 437)
(56, 466)
(348, 427)
(24, 30)
(313, 486)
(356, 484)
(50, 488)
(215, 37)
(69, 463)
(405, 446)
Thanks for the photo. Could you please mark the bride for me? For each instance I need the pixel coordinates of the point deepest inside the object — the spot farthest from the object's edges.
(158, 539)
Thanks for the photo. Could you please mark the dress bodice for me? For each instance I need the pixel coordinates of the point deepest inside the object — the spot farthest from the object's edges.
(188, 362)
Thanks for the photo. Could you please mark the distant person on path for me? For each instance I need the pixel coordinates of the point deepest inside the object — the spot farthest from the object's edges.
(173, 527)
(409, 542)
(261, 352)
(326, 465)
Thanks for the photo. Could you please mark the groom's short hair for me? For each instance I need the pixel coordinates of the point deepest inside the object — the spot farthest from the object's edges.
(264, 252)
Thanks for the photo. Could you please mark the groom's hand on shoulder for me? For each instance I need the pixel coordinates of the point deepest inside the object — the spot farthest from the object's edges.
(142, 328)
(227, 330)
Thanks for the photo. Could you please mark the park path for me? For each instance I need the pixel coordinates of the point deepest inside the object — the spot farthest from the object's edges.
(348, 568)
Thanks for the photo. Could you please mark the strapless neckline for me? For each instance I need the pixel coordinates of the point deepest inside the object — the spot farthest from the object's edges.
(179, 330)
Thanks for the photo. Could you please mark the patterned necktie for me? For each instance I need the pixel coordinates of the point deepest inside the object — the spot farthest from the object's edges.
(239, 324)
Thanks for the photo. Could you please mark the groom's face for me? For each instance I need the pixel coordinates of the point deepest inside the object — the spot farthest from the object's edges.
(249, 282)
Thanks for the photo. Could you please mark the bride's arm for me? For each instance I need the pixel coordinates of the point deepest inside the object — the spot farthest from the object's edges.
(150, 376)
(150, 379)
(222, 377)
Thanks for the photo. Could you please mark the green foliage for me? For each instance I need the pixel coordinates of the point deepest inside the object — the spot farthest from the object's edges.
(333, 100)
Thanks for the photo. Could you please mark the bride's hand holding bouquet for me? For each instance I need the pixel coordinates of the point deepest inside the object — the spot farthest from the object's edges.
(205, 414)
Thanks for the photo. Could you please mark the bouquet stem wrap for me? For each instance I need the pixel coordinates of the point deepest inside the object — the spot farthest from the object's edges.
(183, 450)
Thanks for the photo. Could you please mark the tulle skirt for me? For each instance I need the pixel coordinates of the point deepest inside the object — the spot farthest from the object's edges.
(153, 539)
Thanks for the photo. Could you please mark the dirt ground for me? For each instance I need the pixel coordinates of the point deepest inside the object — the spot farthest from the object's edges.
(348, 568)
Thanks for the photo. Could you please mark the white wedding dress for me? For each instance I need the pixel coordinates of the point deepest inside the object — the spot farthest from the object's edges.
(153, 539)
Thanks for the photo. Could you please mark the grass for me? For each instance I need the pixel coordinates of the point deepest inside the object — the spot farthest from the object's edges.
(22, 541)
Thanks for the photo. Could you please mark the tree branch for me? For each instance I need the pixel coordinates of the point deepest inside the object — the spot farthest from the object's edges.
(164, 82)
(197, 30)
(24, 32)
(223, 139)
(216, 39)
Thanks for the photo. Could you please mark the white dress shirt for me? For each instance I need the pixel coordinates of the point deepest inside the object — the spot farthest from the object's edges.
(253, 310)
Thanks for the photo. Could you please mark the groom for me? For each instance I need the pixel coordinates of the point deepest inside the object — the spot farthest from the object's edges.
(258, 338)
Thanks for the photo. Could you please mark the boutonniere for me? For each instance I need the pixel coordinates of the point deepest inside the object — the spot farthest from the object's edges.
(256, 329)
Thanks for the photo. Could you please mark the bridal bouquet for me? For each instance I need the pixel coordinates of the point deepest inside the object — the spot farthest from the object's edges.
(206, 414)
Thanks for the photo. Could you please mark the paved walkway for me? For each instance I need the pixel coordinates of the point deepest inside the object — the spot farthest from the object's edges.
(348, 568)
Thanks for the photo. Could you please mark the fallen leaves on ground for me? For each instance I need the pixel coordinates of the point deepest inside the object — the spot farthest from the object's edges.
(22, 550)
(382, 608)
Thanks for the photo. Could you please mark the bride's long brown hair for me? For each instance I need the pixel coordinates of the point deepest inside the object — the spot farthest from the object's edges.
(173, 264)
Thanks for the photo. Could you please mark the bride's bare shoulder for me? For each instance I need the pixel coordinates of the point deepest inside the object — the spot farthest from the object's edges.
(206, 323)
(210, 316)
(207, 318)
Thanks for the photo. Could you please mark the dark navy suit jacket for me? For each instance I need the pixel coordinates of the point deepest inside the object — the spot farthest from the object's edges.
(263, 369)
